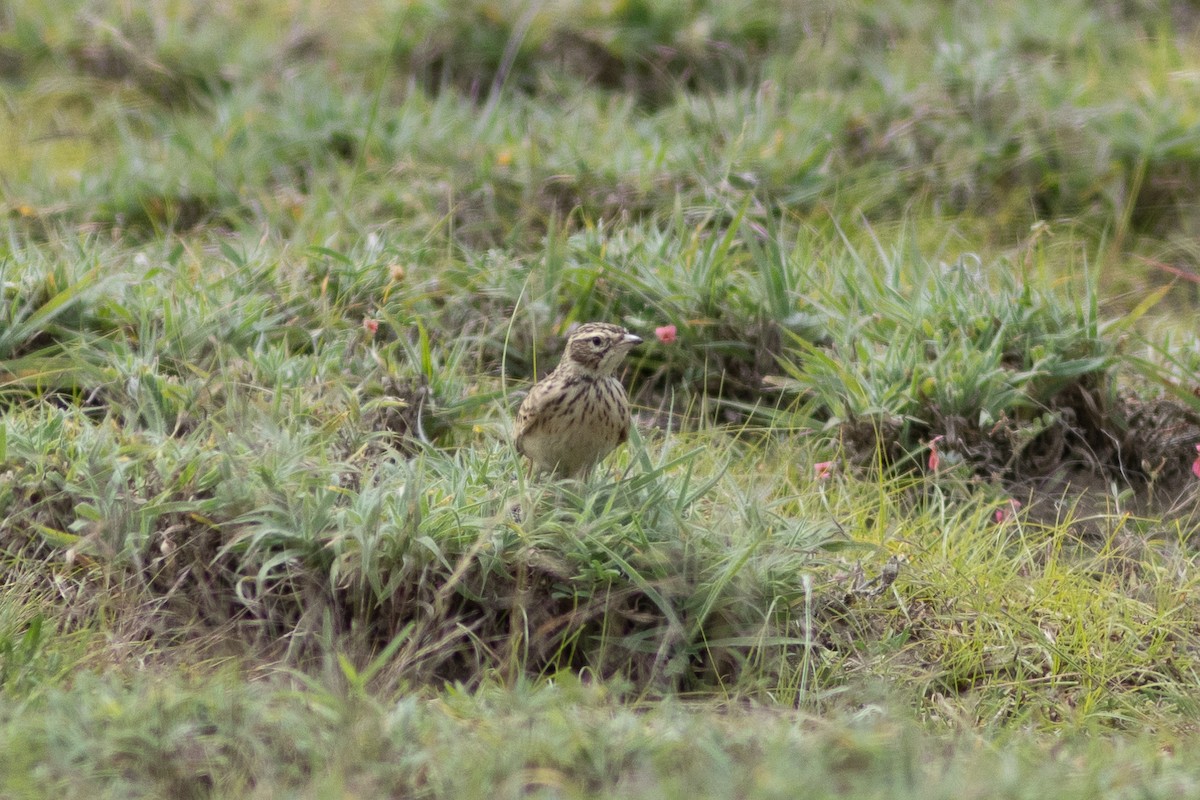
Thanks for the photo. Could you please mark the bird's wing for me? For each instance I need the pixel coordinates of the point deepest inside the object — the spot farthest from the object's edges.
(536, 408)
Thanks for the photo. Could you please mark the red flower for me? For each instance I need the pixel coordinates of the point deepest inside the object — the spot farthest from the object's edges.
(823, 469)
(1196, 463)
(371, 326)
(1003, 513)
(666, 334)
(934, 458)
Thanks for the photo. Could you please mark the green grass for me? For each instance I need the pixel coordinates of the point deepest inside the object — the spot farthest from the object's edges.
(273, 279)
(158, 736)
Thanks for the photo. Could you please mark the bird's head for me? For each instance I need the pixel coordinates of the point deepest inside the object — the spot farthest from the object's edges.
(596, 348)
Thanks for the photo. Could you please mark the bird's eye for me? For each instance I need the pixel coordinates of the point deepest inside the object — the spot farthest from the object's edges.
(597, 341)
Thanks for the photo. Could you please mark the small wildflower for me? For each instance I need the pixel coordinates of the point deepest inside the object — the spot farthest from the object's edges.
(1006, 512)
(371, 326)
(1196, 463)
(666, 334)
(823, 469)
(934, 458)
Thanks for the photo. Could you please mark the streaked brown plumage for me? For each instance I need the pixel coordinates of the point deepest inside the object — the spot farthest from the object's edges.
(579, 413)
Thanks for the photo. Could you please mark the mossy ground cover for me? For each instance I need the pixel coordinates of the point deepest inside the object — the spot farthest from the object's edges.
(910, 503)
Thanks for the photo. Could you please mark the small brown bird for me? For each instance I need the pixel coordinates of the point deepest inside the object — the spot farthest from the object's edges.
(579, 413)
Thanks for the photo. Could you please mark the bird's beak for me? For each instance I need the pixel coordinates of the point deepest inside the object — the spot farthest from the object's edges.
(632, 340)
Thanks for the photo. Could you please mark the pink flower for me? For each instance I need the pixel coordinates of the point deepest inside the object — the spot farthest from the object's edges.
(823, 469)
(1003, 513)
(666, 334)
(934, 458)
(371, 326)
(1196, 463)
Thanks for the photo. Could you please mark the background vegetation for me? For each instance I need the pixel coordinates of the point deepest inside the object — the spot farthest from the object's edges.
(911, 504)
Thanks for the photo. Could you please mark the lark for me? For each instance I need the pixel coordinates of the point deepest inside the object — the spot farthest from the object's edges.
(579, 413)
